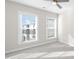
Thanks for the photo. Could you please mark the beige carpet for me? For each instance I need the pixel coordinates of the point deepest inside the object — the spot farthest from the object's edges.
(50, 51)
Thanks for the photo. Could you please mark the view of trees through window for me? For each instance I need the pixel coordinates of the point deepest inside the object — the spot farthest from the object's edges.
(28, 27)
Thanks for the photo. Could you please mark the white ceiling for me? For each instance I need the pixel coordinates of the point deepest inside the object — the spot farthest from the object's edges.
(47, 4)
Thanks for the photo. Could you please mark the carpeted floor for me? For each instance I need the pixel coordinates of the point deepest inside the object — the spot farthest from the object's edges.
(55, 50)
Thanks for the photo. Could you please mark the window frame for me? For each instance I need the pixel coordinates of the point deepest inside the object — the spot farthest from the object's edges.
(20, 13)
(51, 17)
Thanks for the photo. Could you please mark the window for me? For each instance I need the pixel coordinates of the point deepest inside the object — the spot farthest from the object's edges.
(51, 27)
(28, 27)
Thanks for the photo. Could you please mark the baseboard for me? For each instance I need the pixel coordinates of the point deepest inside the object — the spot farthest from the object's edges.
(42, 43)
(67, 43)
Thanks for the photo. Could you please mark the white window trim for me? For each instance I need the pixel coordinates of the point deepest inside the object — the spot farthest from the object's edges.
(50, 17)
(20, 13)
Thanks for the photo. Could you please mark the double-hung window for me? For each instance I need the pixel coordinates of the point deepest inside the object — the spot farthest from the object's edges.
(27, 27)
(51, 27)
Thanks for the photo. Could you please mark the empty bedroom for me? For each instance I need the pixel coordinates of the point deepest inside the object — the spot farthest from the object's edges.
(39, 29)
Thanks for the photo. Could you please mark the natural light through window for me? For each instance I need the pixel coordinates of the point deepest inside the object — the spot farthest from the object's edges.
(51, 27)
(28, 27)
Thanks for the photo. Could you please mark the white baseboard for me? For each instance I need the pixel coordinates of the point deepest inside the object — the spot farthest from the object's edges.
(42, 43)
(71, 40)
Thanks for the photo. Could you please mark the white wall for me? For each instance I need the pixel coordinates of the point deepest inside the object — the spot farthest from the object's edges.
(11, 35)
(66, 27)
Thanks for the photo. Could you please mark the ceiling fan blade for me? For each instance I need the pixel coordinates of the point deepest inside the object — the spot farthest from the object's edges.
(58, 5)
(58, 0)
(62, 0)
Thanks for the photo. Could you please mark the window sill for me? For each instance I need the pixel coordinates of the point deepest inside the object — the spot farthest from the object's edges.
(28, 41)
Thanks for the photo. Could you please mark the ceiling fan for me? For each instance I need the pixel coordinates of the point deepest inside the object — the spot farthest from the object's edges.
(57, 2)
